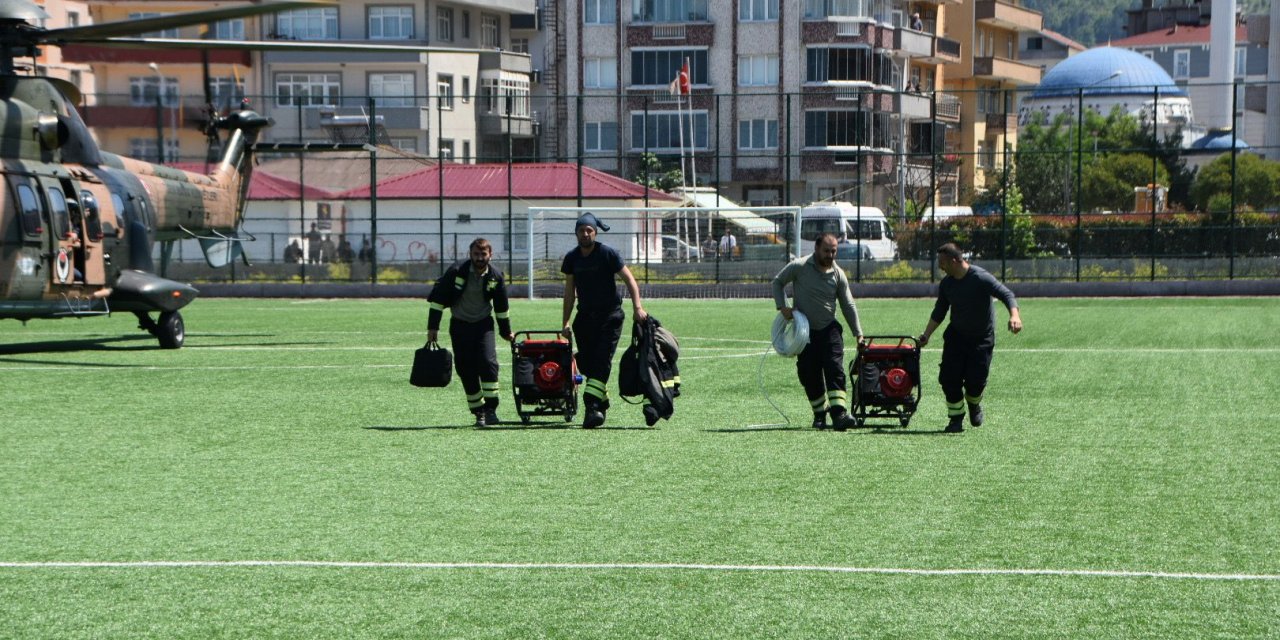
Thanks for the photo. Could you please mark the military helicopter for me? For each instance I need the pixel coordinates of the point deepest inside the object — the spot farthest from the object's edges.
(77, 224)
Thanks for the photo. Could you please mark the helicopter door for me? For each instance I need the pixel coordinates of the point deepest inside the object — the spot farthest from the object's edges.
(66, 248)
(86, 224)
(26, 281)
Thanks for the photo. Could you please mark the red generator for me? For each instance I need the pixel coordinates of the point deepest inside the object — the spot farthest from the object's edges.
(886, 380)
(544, 376)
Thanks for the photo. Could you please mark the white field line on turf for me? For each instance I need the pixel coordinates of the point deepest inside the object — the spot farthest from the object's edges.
(603, 566)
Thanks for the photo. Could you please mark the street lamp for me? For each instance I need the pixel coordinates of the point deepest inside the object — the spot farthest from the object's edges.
(155, 68)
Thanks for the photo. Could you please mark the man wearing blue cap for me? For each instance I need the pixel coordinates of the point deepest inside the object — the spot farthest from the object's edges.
(589, 271)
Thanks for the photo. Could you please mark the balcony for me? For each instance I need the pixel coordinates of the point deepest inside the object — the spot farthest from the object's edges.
(1006, 70)
(506, 61)
(946, 50)
(916, 44)
(1002, 122)
(393, 118)
(493, 124)
(947, 107)
(1007, 15)
(913, 106)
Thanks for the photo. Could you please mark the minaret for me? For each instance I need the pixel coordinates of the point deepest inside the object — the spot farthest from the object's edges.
(1222, 60)
(1272, 140)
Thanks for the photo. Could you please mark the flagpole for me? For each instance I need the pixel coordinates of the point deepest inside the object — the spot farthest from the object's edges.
(680, 129)
(693, 138)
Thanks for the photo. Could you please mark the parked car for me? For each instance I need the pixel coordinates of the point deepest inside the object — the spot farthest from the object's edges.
(849, 251)
(674, 249)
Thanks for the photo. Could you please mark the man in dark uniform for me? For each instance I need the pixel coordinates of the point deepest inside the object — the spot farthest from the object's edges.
(970, 339)
(589, 271)
(473, 289)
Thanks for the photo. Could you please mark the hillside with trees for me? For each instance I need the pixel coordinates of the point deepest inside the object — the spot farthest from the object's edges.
(1094, 22)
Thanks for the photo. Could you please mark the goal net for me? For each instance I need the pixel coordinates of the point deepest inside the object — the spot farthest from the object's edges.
(709, 245)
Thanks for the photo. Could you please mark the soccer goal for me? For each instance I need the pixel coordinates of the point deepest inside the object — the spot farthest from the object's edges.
(671, 243)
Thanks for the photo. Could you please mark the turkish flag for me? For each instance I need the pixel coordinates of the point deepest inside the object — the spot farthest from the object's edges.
(684, 78)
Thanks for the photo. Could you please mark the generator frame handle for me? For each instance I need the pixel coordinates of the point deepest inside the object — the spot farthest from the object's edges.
(516, 340)
(867, 341)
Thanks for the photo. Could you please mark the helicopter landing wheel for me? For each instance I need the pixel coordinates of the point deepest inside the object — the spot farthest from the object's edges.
(170, 330)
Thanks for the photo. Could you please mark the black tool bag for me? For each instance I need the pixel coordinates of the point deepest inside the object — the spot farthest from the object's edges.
(432, 367)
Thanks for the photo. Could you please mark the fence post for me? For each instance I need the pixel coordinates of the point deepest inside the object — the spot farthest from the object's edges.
(373, 184)
(1231, 225)
(1155, 133)
(1079, 171)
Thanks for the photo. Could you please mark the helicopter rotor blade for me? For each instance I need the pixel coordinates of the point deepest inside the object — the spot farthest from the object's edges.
(118, 28)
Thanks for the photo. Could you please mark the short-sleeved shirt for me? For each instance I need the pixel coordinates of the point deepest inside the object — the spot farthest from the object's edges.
(593, 278)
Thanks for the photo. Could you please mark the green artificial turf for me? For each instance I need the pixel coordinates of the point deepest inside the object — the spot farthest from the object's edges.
(1122, 435)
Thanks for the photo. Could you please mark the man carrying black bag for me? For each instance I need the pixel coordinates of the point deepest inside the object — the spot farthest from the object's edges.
(475, 292)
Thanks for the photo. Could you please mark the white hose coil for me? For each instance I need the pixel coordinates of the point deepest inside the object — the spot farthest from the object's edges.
(790, 337)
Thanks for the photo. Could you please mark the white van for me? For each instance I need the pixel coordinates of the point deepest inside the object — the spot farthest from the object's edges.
(850, 224)
(945, 212)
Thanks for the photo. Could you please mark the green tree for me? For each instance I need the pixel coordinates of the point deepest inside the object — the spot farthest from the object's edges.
(1257, 183)
(1108, 181)
(653, 173)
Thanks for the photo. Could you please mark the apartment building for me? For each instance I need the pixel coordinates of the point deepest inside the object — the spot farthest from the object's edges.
(460, 93)
(987, 79)
(790, 101)
(50, 61)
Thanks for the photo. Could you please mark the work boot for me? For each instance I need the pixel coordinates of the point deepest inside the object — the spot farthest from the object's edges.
(491, 417)
(819, 421)
(975, 414)
(651, 416)
(956, 425)
(841, 420)
(592, 419)
(479, 418)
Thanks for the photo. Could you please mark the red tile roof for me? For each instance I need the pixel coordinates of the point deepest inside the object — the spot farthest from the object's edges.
(528, 181)
(263, 185)
(1063, 40)
(1182, 34)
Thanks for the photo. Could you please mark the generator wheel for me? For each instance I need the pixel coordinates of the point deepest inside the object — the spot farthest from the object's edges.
(903, 421)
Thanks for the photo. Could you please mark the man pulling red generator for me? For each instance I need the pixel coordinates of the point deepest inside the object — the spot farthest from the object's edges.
(544, 376)
(886, 380)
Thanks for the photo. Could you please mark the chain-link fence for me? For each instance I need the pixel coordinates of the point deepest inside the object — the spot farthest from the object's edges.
(1070, 184)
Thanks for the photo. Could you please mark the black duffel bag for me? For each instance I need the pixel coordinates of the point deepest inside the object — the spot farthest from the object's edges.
(432, 366)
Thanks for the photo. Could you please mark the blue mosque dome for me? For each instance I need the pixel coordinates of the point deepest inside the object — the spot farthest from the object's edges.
(1107, 71)
(1218, 140)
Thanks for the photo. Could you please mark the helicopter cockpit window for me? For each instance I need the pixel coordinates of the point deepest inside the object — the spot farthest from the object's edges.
(92, 219)
(30, 210)
(61, 215)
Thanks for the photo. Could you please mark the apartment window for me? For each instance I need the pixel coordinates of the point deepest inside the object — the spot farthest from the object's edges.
(444, 91)
(307, 89)
(599, 12)
(757, 10)
(662, 131)
(520, 45)
(513, 96)
(73, 19)
(668, 10)
(842, 128)
(986, 154)
(1182, 63)
(444, 24)
(229, 29)
(757, 71)
(1241, 59)
(163, 33)
(818, 9)
(76, 78)
(600, 136)
(758, 134)
(1035, 44)
(391, 23)
(490, 37)
(391, 89)
(848, 64)
(466, 151)
(405, 144)
(466, 89)
(308, 24)
(600, 73)
(144, 89)
(466, 25)
(146, 148)
(658, 67)
(446, 149)
(226, 92)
